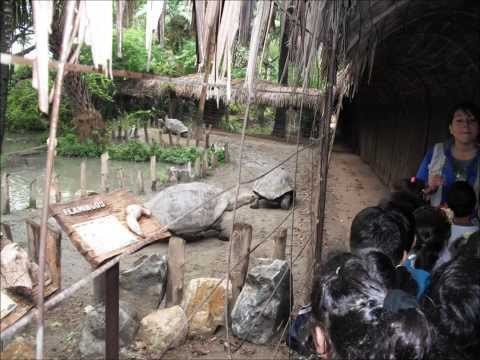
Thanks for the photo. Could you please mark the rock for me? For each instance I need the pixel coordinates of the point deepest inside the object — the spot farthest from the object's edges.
(164, 329)
(18, 349)
(173, 202)
(244, 198)
(92, 342)
(247, 323)
(15, 269)
(148, 276)
(211, 315)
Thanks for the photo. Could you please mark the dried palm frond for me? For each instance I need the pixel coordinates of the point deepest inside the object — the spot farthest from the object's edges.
(42, 18)
(154, 11)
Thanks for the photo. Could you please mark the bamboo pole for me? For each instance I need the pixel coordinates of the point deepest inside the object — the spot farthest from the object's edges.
(175, 273)
(65, 49)
(280, 244)
(170, 140)
(214, 161)
(197, 167)
(83, 179)
(6, 194)
(104, 172)
(32, 202)
(240, 242)
(160, 138)
(153, 172)
(121, 178)
(189, 137)
(56, 189)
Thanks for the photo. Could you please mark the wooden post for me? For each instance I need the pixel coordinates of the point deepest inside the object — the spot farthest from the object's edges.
(53, 254)
(104, 172)
(160, 138)
(189, 137)
(170, 140)
(140, 184)
(7, 231)
(111, 312)
(205, 163)
(177, 140)
(6, 194)
(145, 131)
(153, 172)
(241, 240)
(226, 154)
(207, 136)
(214, 160)
(83, 179)
(120, 179)
(197, 167)
(280, 244)
(176, 269)
(32, 202)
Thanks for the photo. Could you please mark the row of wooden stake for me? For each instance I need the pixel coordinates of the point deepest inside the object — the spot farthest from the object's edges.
(200, 169)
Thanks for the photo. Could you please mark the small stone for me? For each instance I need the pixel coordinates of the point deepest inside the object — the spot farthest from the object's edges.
(209, 316)
(164, 329)
(18, 349)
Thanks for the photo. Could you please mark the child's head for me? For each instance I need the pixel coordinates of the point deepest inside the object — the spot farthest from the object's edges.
(432, 231)
(454, 306)
(461, 199)
(362, 316)
(387, 231)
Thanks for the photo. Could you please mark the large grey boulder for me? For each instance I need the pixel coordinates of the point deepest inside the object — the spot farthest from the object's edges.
(147, 276)
(92, 342)
(175, 201)
(258, 312)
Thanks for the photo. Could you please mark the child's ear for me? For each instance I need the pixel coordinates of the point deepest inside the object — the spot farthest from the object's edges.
(320, 340)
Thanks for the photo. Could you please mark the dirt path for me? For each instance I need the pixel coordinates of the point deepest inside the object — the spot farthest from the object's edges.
(351, 187)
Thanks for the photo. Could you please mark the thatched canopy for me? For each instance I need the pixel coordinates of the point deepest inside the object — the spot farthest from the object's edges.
(267, 93)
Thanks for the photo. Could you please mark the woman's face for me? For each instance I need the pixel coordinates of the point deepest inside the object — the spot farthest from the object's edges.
(464, 127)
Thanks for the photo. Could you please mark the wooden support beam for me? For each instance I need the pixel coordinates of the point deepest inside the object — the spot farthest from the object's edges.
(241, 241)
(176, 270)
(112, 308)
(280, 244)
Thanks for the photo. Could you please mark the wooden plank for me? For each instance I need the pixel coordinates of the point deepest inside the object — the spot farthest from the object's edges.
(104, 172)
(241, 241)
(176, 270)
(115, 204)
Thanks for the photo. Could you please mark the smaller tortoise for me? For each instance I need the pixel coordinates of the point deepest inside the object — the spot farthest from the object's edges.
(274, 190)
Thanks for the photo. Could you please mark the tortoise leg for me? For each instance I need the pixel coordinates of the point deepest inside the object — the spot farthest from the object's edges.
(286, 201)
(256, 204)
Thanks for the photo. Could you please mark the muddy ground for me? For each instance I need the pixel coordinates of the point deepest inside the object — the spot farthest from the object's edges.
(351, 187)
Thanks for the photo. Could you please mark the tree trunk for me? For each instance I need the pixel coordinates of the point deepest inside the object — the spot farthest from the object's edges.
(281, 113)
(261, 115)
(6, 32)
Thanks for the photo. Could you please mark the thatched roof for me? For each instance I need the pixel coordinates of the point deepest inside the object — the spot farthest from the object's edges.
(267, 93)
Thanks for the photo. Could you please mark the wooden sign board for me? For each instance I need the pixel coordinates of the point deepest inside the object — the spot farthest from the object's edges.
(97, 225)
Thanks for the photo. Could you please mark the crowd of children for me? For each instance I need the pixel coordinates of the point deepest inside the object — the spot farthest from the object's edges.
(408, 289)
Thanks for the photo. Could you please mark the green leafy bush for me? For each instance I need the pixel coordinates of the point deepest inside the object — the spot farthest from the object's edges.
(68, 145)
(22, 109)
(133, 151)
(177, 155)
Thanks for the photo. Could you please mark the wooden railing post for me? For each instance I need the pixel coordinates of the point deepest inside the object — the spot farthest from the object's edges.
(176, 270)
(241, 240)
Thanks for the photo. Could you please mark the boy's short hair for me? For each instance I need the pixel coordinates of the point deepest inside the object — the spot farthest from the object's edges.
(381, 229)
(461, 198)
